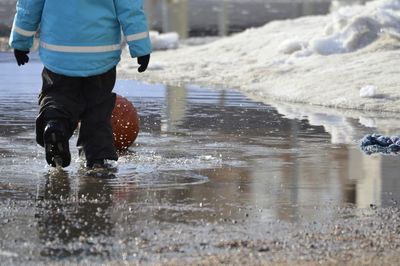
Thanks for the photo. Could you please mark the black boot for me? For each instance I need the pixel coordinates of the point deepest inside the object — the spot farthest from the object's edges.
(56, 144)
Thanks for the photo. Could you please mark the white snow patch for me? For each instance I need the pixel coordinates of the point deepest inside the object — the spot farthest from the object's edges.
(367, 121)
(154, 65)
(164, 41)
(368, 91)
(291, 46)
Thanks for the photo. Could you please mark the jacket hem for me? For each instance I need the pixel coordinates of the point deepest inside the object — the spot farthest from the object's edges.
(81, 73)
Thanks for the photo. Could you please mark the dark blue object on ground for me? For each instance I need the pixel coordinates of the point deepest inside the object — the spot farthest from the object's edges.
(376, 143)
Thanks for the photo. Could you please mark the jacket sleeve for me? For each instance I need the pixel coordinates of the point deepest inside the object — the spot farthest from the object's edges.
(134, 25)
(26, 23)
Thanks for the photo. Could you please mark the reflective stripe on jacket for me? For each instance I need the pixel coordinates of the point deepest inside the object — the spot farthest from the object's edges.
(81, 37)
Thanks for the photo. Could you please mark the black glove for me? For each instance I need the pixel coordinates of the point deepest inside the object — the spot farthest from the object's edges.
(21, 56)
(143, 61)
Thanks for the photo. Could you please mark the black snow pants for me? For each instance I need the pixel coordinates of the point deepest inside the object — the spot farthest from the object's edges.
(85, 100)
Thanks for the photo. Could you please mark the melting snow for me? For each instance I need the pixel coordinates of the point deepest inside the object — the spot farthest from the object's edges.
(368, 91)
(319, 60)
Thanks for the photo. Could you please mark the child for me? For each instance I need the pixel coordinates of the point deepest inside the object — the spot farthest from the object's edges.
(80, 48)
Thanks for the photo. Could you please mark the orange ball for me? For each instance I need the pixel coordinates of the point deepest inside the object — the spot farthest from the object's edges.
(125, 123)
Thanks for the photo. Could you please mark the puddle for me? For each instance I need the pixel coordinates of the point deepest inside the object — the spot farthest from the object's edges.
(202, 156)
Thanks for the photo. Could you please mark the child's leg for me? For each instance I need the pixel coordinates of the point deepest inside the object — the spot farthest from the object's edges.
(95, 133)
(60, 99)
(60, 105)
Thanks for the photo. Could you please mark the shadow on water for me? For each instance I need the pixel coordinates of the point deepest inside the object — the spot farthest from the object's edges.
(202, 156)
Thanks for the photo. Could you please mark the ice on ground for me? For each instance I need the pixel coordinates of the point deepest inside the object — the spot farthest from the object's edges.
(319, 60)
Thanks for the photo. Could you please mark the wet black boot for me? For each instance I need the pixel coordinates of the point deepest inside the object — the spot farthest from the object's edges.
(56, 144)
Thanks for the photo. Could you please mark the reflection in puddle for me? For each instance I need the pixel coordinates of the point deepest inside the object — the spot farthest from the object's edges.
(201, 156)
(288, 155)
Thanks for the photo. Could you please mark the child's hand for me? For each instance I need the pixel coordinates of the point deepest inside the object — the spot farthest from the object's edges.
(143, 61)
(21, 56)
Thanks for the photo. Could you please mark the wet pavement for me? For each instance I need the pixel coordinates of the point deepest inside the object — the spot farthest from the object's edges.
(212, 178)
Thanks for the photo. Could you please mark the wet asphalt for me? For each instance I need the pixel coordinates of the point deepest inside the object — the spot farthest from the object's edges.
(213, 178)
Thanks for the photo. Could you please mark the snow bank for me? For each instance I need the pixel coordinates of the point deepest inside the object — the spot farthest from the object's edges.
(319, 60)
(4, 44)
(355, 27)
(164, 41)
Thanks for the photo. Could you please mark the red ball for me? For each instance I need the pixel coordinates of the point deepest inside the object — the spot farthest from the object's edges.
(125, 123)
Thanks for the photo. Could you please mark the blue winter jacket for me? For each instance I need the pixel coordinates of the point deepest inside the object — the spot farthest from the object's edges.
(81, 37)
